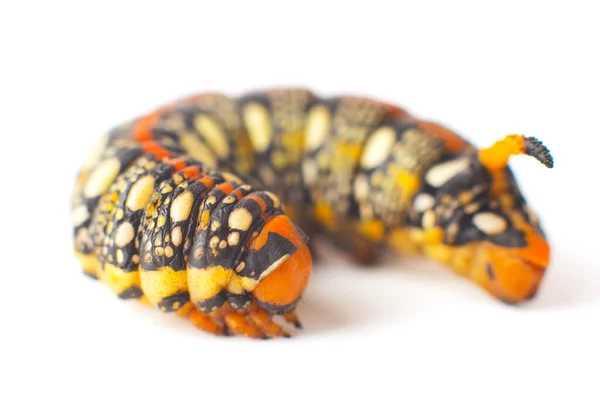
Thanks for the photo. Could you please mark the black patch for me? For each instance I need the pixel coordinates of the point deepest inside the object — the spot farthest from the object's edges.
(536, 149)
(257, 261)
(277, 309)
(167, 304)
(490, 271)
(132, 292)
(239, 301)
(214, 302)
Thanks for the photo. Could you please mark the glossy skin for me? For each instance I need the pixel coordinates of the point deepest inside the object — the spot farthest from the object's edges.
(184, 208)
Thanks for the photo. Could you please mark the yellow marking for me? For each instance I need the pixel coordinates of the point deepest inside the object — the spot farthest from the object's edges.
(101, 177)
(181, 206)
(117, 279)
(140, 193)
(372, 229)
(378, 147)
(347, 152)
(162, 283)
(89, 262)
(206, 283)
(325, 214)
(401, 240)
(204, 218)
(318, 123)
(213, 134)
(256, 118)
(408, 182)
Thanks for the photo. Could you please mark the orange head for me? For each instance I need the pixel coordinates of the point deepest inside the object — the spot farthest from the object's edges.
(280, 251)
(486, 229)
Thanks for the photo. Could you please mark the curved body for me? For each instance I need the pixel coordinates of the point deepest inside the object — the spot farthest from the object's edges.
(203, 207)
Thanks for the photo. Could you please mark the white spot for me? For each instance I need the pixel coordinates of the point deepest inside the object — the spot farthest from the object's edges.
(274, 198)
(197, 149)
(378, 147)
(140, 193)
(423, 202)
(310, 172)
(490, 223)
(361, 187)
(233, 238)
(318, 124)
(180, 209)
(124, 234)
(256, 118)
(213, 134)
(101, 177)
(273, 266)
(439, 174)
(80, 215)
(96, 153)
(240, 218)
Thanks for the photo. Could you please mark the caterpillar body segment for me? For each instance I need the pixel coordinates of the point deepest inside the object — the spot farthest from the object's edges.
(203, 207)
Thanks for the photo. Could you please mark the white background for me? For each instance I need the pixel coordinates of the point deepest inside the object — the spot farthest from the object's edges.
(409, 329)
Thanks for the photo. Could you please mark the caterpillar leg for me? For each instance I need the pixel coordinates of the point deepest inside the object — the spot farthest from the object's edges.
(253, 322)
(206, 323)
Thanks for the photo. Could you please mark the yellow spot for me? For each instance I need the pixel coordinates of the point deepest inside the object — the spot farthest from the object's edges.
(318, 124)
(240, 218)
(409, 183)
(140, 193)
(213, 134)
(372, 229)
(401, 240)
(204, 218)
(378, 147)
(256, 118)
(161, 221)
(181, 206)
(101, 177)
(325, 214)
(169, 251)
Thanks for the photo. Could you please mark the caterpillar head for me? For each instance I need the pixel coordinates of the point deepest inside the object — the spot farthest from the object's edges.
(474, 217)
(281, 248)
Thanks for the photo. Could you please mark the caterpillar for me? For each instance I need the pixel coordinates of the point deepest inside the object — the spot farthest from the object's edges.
(204, 207)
